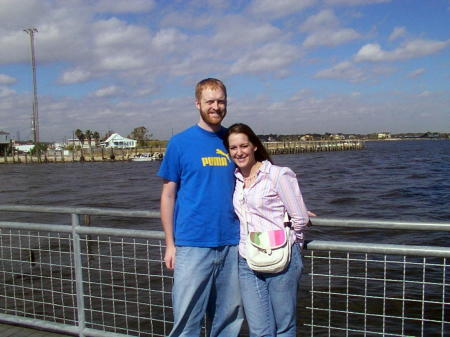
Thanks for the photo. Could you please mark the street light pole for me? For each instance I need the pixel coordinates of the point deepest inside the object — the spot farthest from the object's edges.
(35, 117)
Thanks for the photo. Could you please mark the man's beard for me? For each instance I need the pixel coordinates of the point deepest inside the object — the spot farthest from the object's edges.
(208, 119)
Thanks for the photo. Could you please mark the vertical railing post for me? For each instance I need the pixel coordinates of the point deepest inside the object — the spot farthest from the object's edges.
(78, 273)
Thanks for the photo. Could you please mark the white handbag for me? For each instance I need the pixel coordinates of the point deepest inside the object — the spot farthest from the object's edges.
(268, 252)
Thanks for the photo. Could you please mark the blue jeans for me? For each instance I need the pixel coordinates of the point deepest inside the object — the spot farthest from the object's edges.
(206, 281)
(270, 300)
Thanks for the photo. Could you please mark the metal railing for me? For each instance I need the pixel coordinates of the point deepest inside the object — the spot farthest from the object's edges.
(97, 281)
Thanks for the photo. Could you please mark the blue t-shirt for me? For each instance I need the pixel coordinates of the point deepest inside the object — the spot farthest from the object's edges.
(198, 162)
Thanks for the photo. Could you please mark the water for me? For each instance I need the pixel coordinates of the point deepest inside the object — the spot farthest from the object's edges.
(404, 180)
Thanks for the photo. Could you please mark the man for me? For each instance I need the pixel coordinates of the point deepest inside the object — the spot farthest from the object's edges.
(201, 228)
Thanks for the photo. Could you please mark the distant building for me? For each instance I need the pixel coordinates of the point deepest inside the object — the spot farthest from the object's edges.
(337, 136)
(4, 137)
(307, 138)
(117, 141)
(385, 135)
(431, 135)
(76, 142)
(57, 146)
(4, 141)
(24, 148)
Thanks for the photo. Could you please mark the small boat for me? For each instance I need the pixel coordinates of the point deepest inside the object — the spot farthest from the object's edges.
(147, 157)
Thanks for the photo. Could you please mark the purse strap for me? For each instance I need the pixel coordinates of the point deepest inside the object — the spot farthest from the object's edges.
(286, 220)
(243, 209)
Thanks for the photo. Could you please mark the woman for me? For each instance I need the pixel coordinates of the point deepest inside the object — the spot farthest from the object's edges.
(263, 193)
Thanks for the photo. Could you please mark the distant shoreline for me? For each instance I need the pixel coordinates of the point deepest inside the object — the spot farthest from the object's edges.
(276, 147)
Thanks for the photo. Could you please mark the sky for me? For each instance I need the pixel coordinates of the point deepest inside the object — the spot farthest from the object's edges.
(290, 66)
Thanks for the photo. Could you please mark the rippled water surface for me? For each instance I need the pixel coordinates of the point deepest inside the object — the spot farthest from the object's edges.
(403, 180)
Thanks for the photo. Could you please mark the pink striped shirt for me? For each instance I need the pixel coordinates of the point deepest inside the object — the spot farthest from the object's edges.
(264, 203)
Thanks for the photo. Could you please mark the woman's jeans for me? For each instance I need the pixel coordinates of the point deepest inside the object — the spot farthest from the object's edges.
(270, 300)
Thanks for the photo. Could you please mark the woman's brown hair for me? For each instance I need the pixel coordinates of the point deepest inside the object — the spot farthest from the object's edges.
(261, 153)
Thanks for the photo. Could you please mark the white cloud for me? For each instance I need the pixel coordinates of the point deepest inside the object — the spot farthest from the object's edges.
(107, 91)
(62, 32)
(4, 91)
(425, 93)
(187, 19)
(271, 57)
(120, 46)
(416, 73)
(397, 33)
(238, 31)
(412, 49)
(115, 33)
(6, 79)
(124, 6)
(168, 40)
(322, 20)
(75, 76)
(15, 43)
(218, 3)
(355, 2)
(370, 52)
(126, 60)
(343, 71)
(279, 8)
(17, 15)
(324, 30)
(330, 37)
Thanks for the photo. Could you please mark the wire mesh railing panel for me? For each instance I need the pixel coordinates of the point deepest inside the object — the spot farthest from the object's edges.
(127, 289)
(36, 276)
(112, 280)
(369, 294)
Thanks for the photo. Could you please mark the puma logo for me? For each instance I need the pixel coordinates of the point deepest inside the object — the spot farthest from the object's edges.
(217, 161)
(219, 151)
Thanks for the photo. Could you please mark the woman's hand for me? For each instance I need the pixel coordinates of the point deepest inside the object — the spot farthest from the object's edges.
(311, 213)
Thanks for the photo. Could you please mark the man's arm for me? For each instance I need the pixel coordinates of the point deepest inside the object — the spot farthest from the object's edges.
(168, 196)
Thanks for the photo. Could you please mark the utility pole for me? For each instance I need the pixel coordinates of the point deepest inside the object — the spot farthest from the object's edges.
(35, 117)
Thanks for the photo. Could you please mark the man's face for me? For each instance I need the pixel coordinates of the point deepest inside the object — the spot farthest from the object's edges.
(212, 106)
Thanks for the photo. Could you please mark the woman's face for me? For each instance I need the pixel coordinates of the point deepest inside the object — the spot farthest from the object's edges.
(242, 151)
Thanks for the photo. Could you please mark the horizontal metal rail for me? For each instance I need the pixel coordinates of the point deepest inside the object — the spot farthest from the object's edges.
(381, 224)
(131, 233)
(316, 221)
(81, 210)
(376, 248)
(56, 327)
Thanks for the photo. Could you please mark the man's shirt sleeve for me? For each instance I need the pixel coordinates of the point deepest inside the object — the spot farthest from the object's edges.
(170, 168)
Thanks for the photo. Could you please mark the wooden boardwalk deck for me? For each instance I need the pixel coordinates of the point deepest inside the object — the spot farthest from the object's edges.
(7, 330)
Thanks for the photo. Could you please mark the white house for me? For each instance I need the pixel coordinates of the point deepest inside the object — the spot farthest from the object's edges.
(117, 141)
(25, 148)
(384, 135)
(337, 136)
